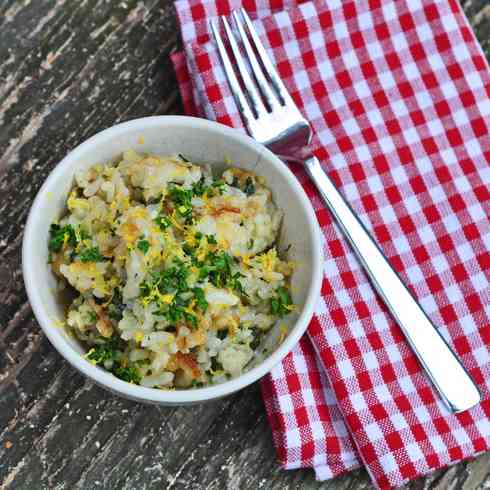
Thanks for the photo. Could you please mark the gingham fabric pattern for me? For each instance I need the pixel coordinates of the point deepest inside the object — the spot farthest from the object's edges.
(398, 94)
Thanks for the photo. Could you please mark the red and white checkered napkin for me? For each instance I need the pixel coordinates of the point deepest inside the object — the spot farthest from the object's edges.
(398, 96)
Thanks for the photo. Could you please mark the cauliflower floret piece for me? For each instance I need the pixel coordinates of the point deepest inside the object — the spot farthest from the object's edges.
(234, 358)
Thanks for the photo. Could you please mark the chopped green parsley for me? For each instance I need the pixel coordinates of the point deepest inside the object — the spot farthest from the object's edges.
(59, 235)
(91, 254)
(162, 221)
(144, 246)
(281, 302)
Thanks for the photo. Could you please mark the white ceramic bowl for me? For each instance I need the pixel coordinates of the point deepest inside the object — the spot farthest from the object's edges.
(201, 141)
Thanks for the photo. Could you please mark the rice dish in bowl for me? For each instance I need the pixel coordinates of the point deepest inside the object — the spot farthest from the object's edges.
(173, 273)
(200, 141)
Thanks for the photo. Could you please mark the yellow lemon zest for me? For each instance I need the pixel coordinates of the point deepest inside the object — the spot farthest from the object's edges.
(129, 232)
(66, 237)
(190, 236)
(125, 203)
(224, 244)
(74, 202)
(268, 276)
(77, 235)
(154, 255)
(175, 222)
(247, 260)
(108, 171)
(100, 284)
(141, 213)
(201, 255)
(156, 295)
(114, 281)
(203, 250)
(173, 248)
(283, 332)
(92, 361)
(269, 260)
(232, 327)
(154, 230)
(167, 298)
(192, 307)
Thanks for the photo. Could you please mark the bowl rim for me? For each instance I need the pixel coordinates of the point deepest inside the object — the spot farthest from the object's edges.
(155, 395)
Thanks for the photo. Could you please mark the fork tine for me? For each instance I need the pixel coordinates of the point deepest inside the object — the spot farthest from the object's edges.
(268, 66)
(250, 87)
(236, 90)
(262, 82)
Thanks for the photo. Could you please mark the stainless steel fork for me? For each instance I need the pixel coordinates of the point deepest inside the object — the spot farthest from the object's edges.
(273, 119)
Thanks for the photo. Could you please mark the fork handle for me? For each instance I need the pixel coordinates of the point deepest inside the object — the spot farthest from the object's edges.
(450, 378)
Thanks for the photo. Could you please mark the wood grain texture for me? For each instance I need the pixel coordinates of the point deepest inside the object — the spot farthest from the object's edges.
(69, 68)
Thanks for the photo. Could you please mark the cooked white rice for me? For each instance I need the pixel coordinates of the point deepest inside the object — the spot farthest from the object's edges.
(176, 273)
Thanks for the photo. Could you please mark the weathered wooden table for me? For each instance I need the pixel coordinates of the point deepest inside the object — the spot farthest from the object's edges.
(69, 68)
